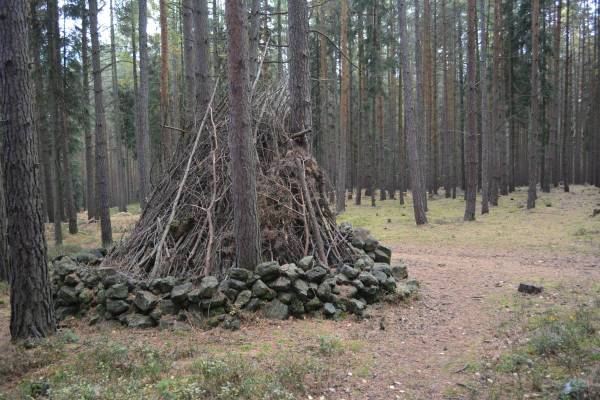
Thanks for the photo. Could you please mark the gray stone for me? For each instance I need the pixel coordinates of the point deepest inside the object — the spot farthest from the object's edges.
(116, 306)
(68, 295)
(262, 291)
(371, 255)
(101, 296)
(329, 310)
(139, 321)
(243, 298)
(241, 274)
(301, 288)
(381, 256)
(281, 284)
(399, 271)
(313, 304)
(306, 263)
(72, 279)
(349, 272)
(194, 296)
(231, 323)
(63, 312)
(167, 307)
(117, 291)
(113, 277)
(268, 270)
(65, 266)
(367, 279)
(347, 291)
(385, 268)
(380, 276)
(357, 284)
(219, 300)
(236, 284)
(341, 279)
(254, 304)
(390, 284)
(89, 277)
(370, 293)
(163, 285)
(156, 314)
(285, 297)
(356, 306)
(86, 258)
(179, 293)
(208, 287)
(145, 300)
(276, 310)
(370, 244)
(363, 262)
(358, 243)
(291, 271)
(316, 274)
(386, 250)
(86, 296)
(296, 307)
(324, 292)
(94, 319)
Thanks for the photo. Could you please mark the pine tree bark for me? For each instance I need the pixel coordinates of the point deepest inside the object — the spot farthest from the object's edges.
(253, 34)
(410, 119)
(566, 128)
(101, 152)
(243, 155)
(59, 115)
(90, 192)
(165, 135)
(117, 121)
(552, 148)
(32, 312)
(486, 147)
(3, 239)
(534, 116)
(202, 53)
(143, 134)
(471, 140)
(189, 60)
(299, 73)
(344, 109)
(419, 105)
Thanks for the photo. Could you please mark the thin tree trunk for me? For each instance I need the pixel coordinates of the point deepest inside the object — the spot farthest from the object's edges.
(535, 101)
(101, 156)
(344, 109)
(90, 192)
(189, 80)
(486, 148)
(143, 135)
(202, 53)
(471, 140)
(32, 311)
(4, 273)
(566, 147)
(165, 134)
(410, 119)
(243, 155)
(253, 35)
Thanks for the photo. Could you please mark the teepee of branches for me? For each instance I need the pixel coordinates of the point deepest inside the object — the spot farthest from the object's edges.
(186, 229)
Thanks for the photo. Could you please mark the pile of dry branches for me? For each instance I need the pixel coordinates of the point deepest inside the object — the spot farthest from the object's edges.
(186, 229)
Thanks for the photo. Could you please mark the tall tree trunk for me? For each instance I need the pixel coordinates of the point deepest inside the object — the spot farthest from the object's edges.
(279, 42)
(189, 80)
(360, 162)
(216, 64)
(486, 145)
(253, 35)
(4, 274)
(165, 134)
(566, 145)
(32, 312)
(419, 105)
(495, 133)
(101, 156)
(552, 148)
(243, 155)
(203, 84)
(299, 73)
(143, 134)
(534, 116)
(59, 114)
(410, 119)
(117, 121)
(90, 192)
(471, 140)
(344, 109)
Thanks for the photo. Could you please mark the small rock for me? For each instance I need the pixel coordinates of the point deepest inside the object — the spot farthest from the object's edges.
(399, 271)
(291, 271)
(72, 279)
(86, 296)
(301, 288)
(358, 243)
(276, 310)
(145, 300)
(329, 310)
(208, 287)
(281, 284)
(240, 274)
(306, 263)
(163, 285)
(63, 312)
(117, 291)
(285, 297)
(367, 279)
(380, 276)
(116, 306)
(268, 270)
(262, 291)
(179, 293)
(390, 285)
(316, 274)
(231, 323)
(219, 300)
(356, 306)
(324, 292)
(243, 298)
(65, 266)
(254, 304)
(349, 272)
(313, 304)
(382, 267)
(381, 256)
(370, 244)
(139, 321)
(167, 307)
(296, 307)
(530, 289)
(68, 295)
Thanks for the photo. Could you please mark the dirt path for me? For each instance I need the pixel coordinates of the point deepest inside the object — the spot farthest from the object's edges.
(423, 347)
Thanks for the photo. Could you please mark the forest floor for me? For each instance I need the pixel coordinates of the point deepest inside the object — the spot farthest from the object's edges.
(469, 334)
